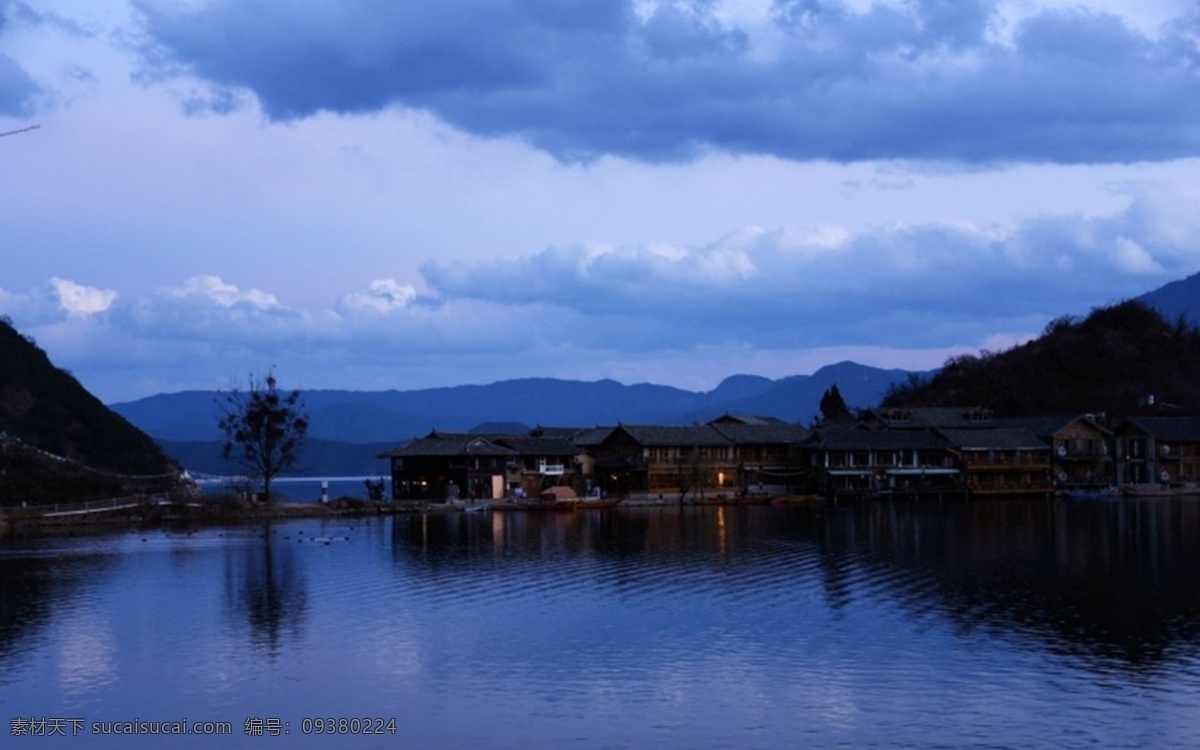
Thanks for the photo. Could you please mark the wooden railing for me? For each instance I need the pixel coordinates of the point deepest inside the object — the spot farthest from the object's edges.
(90, 507)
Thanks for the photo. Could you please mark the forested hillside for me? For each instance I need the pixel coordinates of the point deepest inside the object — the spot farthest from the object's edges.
(1112, 361)
(59, 442)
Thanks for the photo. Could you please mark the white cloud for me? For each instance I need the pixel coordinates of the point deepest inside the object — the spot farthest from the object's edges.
(902, 291)
(214, 289)
(1134, 258)
(835, 286)
(207, 308)
(79, 301)
(381, 297)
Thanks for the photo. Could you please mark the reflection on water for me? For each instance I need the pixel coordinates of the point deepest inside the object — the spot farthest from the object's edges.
(265, 587)
(1115, 583)
(1040, 624)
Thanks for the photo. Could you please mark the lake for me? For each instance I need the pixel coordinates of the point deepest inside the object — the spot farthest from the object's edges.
(299, 489)
(900, 625)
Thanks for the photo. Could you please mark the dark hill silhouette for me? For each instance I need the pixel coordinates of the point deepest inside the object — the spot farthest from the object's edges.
(1110, 362)
(60, 443)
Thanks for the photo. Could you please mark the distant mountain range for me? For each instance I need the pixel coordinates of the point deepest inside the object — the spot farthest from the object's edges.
(396, 416)
(350, 427)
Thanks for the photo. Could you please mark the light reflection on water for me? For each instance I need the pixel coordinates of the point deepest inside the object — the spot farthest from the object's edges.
(896, 625)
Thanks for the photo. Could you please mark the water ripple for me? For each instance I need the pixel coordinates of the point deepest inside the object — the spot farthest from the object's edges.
(882, 625)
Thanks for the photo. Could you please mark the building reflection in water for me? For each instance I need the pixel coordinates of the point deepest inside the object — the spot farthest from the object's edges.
(1116, 583)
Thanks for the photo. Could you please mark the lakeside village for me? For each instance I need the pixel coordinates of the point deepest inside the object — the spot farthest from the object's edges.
(884, 452)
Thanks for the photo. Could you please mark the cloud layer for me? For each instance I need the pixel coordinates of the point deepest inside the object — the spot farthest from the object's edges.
(378, 195)
(780, 293)
(959, 80)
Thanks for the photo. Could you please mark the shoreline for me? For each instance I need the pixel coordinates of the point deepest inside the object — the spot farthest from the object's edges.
(16, 520)
(236, 511)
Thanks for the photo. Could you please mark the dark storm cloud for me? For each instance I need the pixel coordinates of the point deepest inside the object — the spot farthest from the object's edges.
(585, 78)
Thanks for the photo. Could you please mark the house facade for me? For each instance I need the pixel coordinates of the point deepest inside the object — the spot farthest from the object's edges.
(449, 466)
(1158, 450)
(888, 453)
(872, 462)
(664, 460)
(1001, 461)
(1083, 455)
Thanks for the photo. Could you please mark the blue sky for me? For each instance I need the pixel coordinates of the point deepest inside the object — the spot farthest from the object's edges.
(377, 195)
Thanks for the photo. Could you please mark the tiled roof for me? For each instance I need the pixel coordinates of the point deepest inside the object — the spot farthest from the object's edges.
(762, 434)
(701, 434)
(592, 436)
(746, 419)
(449, 444)
(1184, 429)
(1045, 427)
(535, 446)
(848, 440)
(994, 439)
(562, 433)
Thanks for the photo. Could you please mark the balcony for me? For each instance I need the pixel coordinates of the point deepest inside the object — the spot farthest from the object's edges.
(551, 470)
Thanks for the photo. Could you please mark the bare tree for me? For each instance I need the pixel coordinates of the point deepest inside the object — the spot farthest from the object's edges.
(264, 429)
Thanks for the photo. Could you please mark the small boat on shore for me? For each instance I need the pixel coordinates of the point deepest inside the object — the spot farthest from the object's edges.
(536, 505)
(598, 503)
(794, 499)
(1147, 490)
(1095, 494)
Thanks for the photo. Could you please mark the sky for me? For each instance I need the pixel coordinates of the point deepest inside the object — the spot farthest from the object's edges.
(371, 195)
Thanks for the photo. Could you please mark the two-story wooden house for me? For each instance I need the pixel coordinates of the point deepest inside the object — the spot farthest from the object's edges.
(1158, 450)
(1082, 453)
(450, 465)
(873, 462)
(999, 461)
(664, 460)
(767, 454)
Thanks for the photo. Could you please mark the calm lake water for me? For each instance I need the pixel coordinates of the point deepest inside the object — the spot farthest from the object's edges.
(301, 489)
(988, 625)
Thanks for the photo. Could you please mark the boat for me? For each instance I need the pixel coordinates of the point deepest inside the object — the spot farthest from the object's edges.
(598, 503)
(1146, 490)
(534, 505)
(1096, 494)
(470, 506)
(794, 499)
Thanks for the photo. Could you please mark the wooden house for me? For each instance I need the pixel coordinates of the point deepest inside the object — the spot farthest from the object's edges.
(1001, 461)
(1082, 453)
(450, 465)
(874, 462)
(767, 454)
(1158, 450)
(635, 459)
(542, 462)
